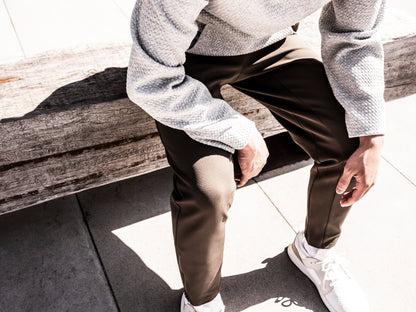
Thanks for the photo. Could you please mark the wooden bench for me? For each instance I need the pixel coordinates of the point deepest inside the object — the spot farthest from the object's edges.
(66, 124)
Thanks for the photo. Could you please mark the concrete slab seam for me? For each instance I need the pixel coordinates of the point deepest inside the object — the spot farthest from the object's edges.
(97, 253)
(274, 205)
(120, 9)
(400, 172)
(14, 28)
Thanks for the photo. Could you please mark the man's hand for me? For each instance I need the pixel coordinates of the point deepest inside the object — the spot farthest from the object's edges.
(252, 158)
(363, 166)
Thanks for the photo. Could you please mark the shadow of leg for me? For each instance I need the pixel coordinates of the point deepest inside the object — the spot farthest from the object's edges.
(280, 279)
(131, 228)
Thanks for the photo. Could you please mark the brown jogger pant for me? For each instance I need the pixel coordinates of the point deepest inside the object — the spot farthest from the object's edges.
(291, 82)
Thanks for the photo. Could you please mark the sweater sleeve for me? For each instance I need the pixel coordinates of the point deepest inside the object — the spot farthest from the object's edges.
(162, 31)
(352, 54)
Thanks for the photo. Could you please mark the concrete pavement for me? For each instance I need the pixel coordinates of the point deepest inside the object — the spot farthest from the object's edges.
(127, 238)
(111, 248)
(49, 263)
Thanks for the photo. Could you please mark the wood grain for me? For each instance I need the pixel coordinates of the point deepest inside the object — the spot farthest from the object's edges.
(66, 124)
(400, 67)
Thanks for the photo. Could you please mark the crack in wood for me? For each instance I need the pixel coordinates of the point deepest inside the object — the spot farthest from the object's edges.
(60, 101)
(107, 145)
(4, 80)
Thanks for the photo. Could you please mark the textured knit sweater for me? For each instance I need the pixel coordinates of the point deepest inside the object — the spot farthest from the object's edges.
(163, 30)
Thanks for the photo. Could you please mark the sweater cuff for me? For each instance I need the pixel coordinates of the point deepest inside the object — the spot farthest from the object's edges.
(358, 126)
(234, 136)
(239, 135)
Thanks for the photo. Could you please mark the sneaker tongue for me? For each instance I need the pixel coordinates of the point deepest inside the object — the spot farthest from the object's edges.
(322, 254)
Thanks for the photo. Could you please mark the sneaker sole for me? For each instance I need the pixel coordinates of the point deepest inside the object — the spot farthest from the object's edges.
(182, 302)
(299, 264)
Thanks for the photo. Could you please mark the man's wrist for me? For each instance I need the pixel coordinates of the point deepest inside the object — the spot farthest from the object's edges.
(372, 141)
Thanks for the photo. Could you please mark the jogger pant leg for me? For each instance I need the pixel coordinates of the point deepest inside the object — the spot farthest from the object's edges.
(290, 81)
(298, 94)
(203, 192)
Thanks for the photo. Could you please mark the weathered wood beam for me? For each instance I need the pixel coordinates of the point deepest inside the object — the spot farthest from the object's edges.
(85, 134)
(400, 67)
(78, 130)
(45, 133)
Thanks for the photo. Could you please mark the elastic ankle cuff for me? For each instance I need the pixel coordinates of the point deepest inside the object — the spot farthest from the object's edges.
(214, 304)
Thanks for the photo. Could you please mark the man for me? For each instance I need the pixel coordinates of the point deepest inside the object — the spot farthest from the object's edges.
(185, 50)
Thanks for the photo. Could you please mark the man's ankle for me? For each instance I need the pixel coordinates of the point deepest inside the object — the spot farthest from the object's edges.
(215, 304)
(314, 252)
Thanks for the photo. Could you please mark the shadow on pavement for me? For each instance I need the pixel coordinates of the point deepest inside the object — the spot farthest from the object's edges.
(139, 288)
(279, 280)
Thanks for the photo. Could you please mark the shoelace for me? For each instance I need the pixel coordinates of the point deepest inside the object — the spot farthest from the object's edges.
(334, 268)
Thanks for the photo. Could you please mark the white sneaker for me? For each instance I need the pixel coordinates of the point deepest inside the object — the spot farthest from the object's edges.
(338, 289)
(215, 305)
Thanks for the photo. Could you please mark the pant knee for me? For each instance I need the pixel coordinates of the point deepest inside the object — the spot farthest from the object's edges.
(336, 150)
(216, 198)
(207, 195)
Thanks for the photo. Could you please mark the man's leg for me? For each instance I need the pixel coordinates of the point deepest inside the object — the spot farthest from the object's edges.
(203, 192)
(294, 86)
(292, 83)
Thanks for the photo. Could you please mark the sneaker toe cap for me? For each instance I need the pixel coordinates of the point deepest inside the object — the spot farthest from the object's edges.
(348, 297)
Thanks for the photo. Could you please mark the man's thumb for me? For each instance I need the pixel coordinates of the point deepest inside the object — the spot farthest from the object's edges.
(343, 183)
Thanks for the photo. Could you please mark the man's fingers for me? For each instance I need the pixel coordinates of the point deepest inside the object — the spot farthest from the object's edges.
(344, 181)
(362, 165)
(252, 158)
(245, 176)
(350, 198)
(248, 175)
(243, 180)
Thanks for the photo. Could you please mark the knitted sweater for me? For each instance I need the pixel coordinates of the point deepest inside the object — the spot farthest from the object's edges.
(163, 30)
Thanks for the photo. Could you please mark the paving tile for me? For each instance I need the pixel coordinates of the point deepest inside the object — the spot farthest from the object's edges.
(126, 6)
(49, 263)
(10, 49)
(378, 239)
(131, 226)
(408, 6)
(399, 20)
(258, 275)
(378, 229)
(400, 146)
(288, 191)
(55, 24)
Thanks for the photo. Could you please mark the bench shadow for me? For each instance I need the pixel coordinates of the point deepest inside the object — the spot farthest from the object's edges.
(138, 288)
(105, 86)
